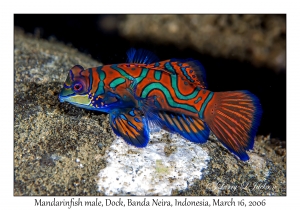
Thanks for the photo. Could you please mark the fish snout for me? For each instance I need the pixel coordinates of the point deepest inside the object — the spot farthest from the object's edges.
(61, 98)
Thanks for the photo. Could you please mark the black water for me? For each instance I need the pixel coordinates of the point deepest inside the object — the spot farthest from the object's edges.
(83, 32)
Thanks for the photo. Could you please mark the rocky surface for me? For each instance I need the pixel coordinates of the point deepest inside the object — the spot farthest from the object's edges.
(258, 39)
(158, 169)
(55, 145)
(60, 149)
(264, 174)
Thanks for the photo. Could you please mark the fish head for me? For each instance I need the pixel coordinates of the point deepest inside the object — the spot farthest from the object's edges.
(76, 88)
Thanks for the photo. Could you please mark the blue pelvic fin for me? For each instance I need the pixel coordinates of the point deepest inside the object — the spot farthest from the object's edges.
(147, 106)
(130, 125)
(193, 129)
(141, 56)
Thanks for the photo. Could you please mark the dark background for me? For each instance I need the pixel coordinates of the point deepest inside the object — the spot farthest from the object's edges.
(105, 44)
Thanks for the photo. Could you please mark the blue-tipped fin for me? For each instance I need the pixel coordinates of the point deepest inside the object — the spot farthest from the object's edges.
(193, 129)
(130, 125)
(141, 56)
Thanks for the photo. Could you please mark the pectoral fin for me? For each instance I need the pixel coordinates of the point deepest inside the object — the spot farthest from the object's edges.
(130, 125)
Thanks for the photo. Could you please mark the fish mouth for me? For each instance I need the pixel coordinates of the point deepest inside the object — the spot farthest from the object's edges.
(61, 98)
(78, 99)
(102, 107)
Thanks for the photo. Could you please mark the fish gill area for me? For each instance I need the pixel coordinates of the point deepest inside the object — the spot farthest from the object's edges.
(60, 149)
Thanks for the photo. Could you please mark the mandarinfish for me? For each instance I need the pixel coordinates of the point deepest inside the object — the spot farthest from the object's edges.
(144, 94)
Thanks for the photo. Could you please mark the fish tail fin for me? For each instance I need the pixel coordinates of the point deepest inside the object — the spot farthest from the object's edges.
(234, 117)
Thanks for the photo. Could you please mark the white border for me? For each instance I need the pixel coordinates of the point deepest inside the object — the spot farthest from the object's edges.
(9, 8)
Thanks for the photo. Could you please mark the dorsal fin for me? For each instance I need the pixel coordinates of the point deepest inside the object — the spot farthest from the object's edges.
(193, 70)
(141, 56)
(190, 69)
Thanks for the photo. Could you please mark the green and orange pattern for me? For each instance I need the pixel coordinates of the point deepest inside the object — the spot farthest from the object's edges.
(144, 94)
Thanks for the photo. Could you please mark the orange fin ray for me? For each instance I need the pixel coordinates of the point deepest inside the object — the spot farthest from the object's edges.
(234, 117)
(130, 125)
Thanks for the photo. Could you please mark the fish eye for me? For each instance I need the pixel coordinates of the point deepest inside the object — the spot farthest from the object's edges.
(77, 87)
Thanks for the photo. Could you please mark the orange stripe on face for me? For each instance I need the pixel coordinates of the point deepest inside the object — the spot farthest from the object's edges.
(96, 80)
(86, 74)
(76, 71)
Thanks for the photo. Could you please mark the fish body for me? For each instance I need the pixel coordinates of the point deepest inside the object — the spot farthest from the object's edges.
(145, 94)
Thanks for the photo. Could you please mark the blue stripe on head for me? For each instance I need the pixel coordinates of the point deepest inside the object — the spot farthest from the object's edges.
(91, 79)
(66, 86)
